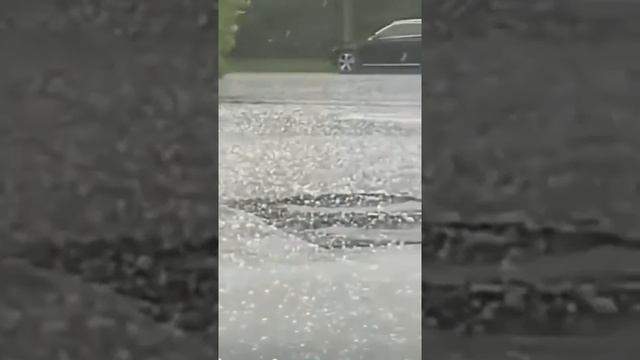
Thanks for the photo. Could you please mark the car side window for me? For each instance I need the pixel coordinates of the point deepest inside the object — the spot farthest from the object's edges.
(400, 30)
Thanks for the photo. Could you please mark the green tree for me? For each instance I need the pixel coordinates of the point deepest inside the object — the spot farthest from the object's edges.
(228, 13)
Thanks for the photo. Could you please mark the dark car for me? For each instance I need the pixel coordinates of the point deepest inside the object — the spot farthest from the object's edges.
(395, 46)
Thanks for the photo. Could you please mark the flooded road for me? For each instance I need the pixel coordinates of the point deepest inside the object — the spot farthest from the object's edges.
(349, 148)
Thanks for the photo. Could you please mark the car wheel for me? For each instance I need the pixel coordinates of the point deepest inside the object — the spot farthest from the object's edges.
(347, 63)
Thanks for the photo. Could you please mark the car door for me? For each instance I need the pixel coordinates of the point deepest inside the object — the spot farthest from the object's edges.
(412, 50)
(380, 52)
(404, 51)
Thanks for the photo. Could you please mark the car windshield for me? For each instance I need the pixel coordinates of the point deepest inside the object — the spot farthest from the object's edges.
(400, 29)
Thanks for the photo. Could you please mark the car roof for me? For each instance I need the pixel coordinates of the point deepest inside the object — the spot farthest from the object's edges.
(408, 21)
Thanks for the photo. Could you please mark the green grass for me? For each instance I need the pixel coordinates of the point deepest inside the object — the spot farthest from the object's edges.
(279, 65)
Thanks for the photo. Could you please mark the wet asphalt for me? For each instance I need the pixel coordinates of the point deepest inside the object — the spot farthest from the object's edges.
(288, 134)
